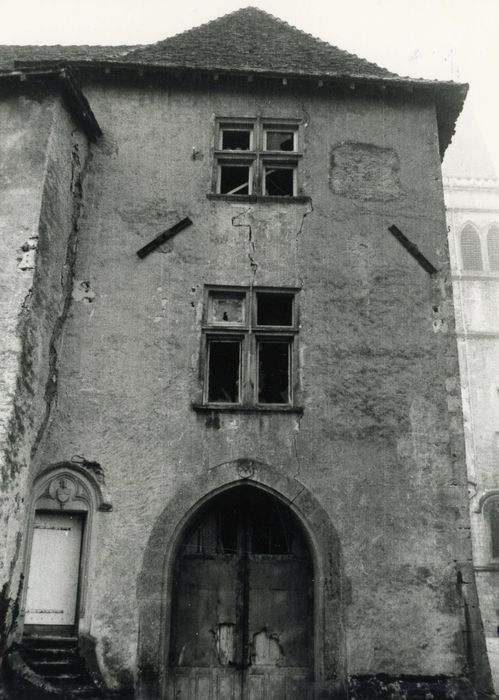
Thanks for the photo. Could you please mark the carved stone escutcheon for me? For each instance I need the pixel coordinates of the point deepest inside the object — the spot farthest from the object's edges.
(245, 468)
(63, 489)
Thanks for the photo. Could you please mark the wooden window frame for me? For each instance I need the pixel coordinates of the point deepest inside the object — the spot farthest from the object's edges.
(257, 157)
(250, 335)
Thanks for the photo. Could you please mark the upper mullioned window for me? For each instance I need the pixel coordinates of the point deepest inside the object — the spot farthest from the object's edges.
(257, 157)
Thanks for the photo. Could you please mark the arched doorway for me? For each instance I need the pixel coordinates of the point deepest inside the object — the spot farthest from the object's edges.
(66, 498)
(242, 602)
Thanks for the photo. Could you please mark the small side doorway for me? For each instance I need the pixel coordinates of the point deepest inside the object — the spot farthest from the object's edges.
(53, 578)
(242, 623)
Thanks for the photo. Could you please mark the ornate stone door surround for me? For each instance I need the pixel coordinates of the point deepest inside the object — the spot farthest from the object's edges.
(67, 487)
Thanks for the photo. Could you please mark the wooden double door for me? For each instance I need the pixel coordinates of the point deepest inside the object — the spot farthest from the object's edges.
(242, 623)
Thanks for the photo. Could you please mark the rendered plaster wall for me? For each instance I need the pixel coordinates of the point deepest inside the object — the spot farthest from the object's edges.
(40, 160)
(380, 441)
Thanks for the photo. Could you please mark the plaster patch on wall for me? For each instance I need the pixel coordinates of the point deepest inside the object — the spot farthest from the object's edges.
(364, 171)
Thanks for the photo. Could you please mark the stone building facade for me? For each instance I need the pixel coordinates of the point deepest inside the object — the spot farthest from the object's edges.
(233, 464)
(473, 221)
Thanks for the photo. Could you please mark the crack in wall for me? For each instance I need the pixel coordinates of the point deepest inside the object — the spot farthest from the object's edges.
(304, 215)
(251, 242)
(78, 173)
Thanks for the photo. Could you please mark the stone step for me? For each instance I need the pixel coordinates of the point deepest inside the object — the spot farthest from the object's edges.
(35, 655)
(56, 661)
(53, 666)
(50, 641)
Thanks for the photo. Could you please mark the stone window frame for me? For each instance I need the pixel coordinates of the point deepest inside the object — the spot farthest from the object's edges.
(487, 502)
(489, 257)
(257, 157)
(493, 247)
(250, 335)
(84, 493)
(470, 229)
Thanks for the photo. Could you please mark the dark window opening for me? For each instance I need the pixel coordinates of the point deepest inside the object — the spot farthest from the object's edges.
(236, 139)
(471, 251)
(273, 372)
(493, 248)
(274, 309)
(279, 182)
(280, 141)
(223, 371)
(494, 530)
(234, 179)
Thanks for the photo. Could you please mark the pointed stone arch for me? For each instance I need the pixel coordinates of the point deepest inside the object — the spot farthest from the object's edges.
(471, 249)
(154, 587)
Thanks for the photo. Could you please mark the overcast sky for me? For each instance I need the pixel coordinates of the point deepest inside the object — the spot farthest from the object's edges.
(446, 39)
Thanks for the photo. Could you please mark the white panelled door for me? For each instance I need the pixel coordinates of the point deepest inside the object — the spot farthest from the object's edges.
(54, 569)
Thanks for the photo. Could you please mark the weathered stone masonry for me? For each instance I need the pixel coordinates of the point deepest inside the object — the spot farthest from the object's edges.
(43, 164)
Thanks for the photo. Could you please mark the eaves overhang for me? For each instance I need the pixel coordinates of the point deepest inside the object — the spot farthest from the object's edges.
(448, 96)
(61, 77)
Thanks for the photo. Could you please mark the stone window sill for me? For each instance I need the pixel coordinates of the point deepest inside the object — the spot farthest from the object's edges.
(238, 408)
(302, 199)
(493, 566)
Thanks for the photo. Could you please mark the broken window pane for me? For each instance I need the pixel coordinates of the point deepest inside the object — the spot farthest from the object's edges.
(226, 307)
(236, 139)
(273, 371)
(235, 179)
(223, 371)
(274, 309)
(279, 181)
(280, 140)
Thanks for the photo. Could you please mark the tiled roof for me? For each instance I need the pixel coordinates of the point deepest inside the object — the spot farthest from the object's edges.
(9, 54)
(253, 40)
(250, 41)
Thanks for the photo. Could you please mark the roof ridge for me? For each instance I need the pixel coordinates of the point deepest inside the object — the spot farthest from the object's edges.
(200, 26)
(311, 36)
